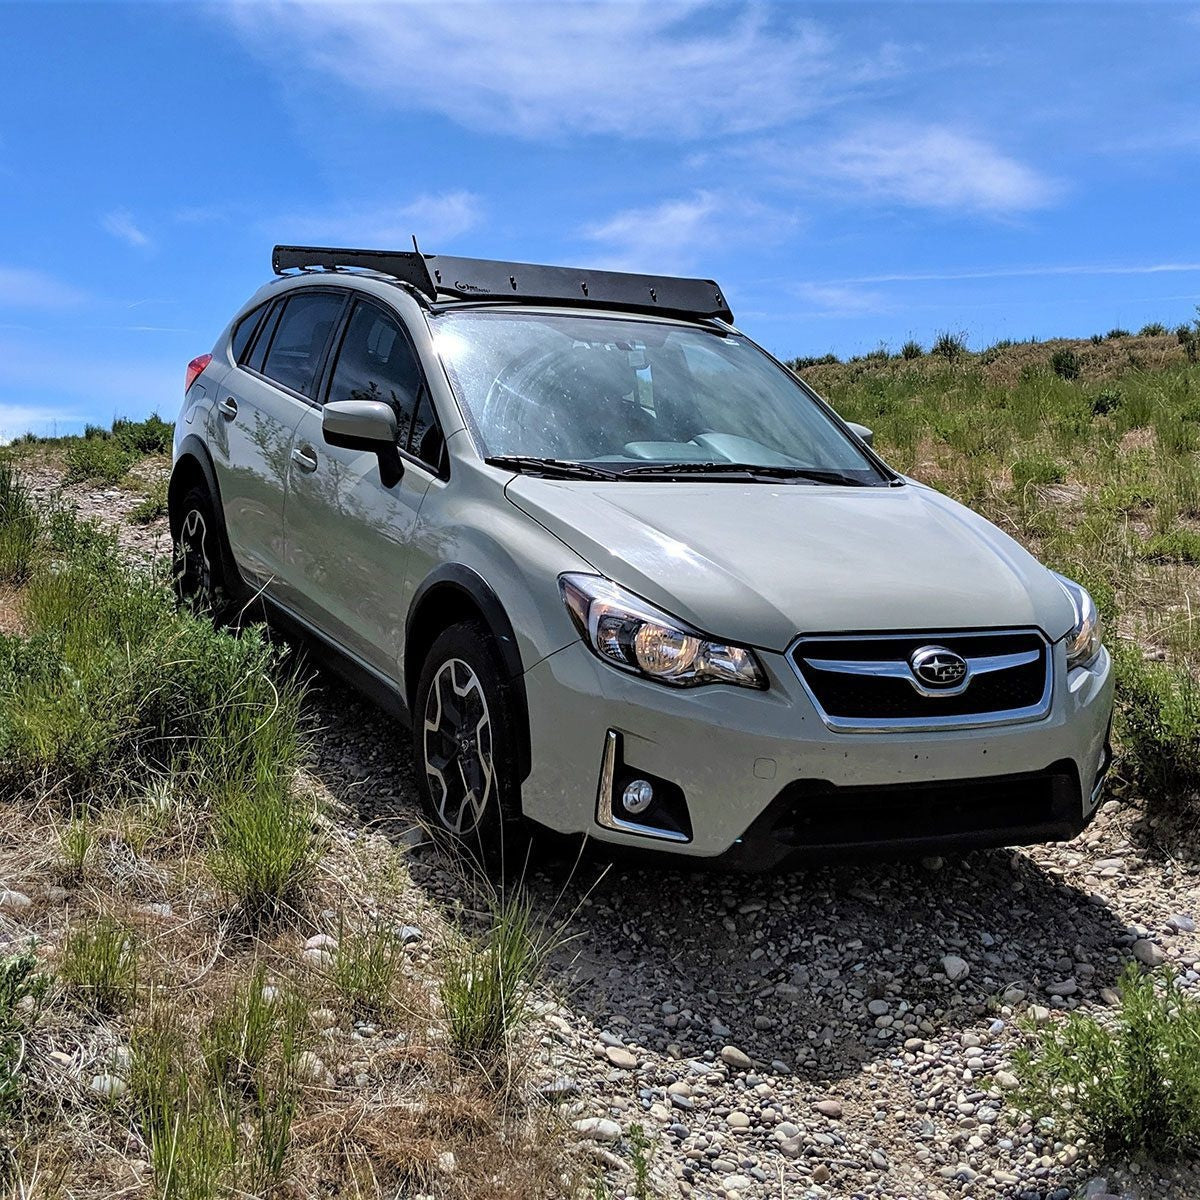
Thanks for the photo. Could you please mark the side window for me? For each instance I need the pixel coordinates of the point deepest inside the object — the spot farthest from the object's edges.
(262, 339)
(377, 363)
(294, 357)
(243, 331)
(427, 442)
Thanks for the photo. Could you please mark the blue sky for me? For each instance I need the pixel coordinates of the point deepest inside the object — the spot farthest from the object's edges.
(851, 173)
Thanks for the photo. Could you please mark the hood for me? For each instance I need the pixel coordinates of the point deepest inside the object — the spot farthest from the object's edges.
(761, 563)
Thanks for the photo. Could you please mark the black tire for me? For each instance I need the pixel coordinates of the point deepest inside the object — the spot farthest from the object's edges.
(464, 747)
(198, 565)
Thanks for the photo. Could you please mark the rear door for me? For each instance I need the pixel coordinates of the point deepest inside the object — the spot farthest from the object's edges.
(348, 533)
(257, 407)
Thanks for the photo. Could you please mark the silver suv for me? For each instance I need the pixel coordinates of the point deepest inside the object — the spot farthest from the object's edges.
(625, 574)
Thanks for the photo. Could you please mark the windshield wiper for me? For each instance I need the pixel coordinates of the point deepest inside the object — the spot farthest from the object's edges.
(746, 470)
(560, 468)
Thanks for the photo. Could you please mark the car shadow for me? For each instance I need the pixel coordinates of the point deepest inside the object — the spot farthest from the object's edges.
(683, 959)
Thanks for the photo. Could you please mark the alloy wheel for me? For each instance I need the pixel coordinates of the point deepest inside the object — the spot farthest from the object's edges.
(458, 747)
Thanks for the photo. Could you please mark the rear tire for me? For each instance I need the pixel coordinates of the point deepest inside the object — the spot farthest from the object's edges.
(464, 747)
(198, 566)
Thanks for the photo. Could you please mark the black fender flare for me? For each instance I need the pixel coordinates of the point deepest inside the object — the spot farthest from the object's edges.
(454, 581)
(193, 450)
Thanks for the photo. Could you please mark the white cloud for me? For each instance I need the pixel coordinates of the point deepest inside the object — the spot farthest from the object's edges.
(840, 300)
(23, 288)
(16, 419)
(932, 166)
(1068, 269)
(433, 218)
(121, 225)
(680, 68)
(675, 235)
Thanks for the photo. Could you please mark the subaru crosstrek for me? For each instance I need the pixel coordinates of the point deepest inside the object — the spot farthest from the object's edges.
(625, 574)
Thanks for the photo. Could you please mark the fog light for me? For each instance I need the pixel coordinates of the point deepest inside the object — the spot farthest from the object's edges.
(637, 796)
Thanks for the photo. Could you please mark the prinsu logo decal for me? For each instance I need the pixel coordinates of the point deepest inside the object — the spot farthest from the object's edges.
(459, 286)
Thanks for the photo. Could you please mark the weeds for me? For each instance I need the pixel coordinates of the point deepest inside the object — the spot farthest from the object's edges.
(23, 991)
(950, 346)
(1132, 1089)
(152, 506)
(365, 970)
(100, 964)
(19, 527)
(488, 982)
(107, 455)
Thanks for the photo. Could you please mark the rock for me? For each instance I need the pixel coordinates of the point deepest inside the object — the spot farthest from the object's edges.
(791, 1147)
(1148, 953)
(731, 1056)
(409, 934)
(735, 1183)
(321, 941)
(11, 901)
(1007, 1081)
(270, 994)
(558, 1088)
(447, 1163)
(1065, 987)
(620, 1057)
(598, 1129)
(820, 1173)
(1181, 923)
(829, 1108)
(312, 1069)
(737, 1120)
(1038, 1014)
(111, 1087)
(162, 911)
(954, 968)
(324, 1018)
(61, 1060)
(878, 1008)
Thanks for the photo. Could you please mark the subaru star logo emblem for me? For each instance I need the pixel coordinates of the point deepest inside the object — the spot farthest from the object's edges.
(935, 666)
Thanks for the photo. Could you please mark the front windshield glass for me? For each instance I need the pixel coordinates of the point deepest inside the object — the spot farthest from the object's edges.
(624, 394)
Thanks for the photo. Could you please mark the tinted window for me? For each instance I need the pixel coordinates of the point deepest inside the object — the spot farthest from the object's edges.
(243, 331)
(377, 363)
(258, 350)
(427, 441)
(299, 342)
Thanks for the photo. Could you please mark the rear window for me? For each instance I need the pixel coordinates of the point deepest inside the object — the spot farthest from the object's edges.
(300, 339)
(243, 331)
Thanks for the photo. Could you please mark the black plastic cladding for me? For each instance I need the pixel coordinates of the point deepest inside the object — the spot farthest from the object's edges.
(444, 276)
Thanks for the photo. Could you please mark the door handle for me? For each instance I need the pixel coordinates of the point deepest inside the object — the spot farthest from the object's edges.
(228, 408)
(305, 457)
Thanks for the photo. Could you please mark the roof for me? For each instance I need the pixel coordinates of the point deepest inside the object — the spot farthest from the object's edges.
(440, 276)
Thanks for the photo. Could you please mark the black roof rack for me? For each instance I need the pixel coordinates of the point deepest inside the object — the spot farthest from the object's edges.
(441, 276)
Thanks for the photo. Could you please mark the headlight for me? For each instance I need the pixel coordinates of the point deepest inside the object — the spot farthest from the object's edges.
(1083, 642)
(629, 633)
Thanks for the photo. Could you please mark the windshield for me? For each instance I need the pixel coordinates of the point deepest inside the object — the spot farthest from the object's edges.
(622, 393)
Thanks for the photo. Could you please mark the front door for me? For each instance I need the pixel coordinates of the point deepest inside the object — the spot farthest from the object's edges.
(347, 534)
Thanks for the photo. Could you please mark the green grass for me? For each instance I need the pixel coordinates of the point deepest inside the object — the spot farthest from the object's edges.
(106, 455)
(100, 964)
(20, 527)
(153, 505)
(366, 970)
(23, 992)
(488, 982)
(1131, 1087)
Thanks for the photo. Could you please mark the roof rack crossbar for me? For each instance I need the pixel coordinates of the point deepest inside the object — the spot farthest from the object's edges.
(447, 277)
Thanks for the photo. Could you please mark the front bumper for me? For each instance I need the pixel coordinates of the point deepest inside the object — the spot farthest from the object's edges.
(763, 777)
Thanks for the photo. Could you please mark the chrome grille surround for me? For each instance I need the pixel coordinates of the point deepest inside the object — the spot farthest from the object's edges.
(1021, 660)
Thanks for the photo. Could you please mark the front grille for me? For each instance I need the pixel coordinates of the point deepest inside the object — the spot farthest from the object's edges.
(862, 681)
(1000, 810)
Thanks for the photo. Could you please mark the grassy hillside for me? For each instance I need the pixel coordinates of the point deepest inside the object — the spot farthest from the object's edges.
(1087, 452)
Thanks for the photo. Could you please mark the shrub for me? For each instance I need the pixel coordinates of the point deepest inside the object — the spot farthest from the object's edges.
(1158, 715)
(1189, 339)
(1037, 471)
(1065, 363)
(1130, 1090)
(151, 436)
(1106, 401)
(100, 963)
(487, 984)
(911, 349)
(1153, 329)
(152, 505)
(1097, 339)
(23, 991)
(1118, 332)
(950, 346)
(101, 458)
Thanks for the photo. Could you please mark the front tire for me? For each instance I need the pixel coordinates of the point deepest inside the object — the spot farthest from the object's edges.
(464, 745)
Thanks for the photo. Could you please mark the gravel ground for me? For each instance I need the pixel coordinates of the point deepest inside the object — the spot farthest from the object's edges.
(843, 1031)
